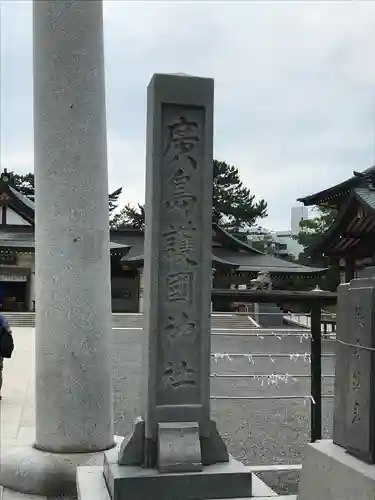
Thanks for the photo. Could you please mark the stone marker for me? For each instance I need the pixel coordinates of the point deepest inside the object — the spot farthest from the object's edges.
(360, 415)
(175, 439)
(176, 432)
(354, 411)
(336, 469)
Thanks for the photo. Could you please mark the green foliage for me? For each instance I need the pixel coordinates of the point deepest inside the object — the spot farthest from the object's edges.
(262, 246)
(312, 231)
(233, 204)
(130, 217)
(113, 200)
(25, 184)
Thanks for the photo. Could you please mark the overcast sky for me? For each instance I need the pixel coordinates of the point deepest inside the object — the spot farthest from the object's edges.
(295, 88)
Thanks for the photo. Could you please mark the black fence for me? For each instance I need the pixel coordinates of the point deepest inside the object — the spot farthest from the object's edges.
(312, 302)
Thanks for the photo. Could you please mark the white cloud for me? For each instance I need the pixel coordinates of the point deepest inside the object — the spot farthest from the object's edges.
(295, 88)
(126, 160)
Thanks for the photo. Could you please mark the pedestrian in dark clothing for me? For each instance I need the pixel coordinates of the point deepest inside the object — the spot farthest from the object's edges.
(4, 326)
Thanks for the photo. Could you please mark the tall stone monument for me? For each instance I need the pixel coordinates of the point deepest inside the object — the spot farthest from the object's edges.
(175, 447)
(73, 365)
(344, 468)
(176, 430)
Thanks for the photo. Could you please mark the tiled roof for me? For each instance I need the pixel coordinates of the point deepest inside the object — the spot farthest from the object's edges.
(232, 253)
(256, 263)
(367, 195)
(333, 193)
(24, 199)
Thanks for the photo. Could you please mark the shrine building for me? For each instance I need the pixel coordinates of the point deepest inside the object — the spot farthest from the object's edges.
(350, 241)
(234, 261)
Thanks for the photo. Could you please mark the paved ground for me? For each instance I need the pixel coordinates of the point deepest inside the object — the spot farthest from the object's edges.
(256, 431)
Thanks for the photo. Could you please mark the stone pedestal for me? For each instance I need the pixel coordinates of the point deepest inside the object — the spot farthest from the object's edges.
(73, 318)
(226, 480)
(329, 473)
(130, 483)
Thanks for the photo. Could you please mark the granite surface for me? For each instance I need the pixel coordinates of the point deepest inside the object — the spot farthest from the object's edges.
(330, 473)
(177, 272)
(72, 275)
(354, 416)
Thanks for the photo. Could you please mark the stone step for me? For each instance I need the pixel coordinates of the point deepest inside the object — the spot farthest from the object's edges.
(91, 486)
(119, 320)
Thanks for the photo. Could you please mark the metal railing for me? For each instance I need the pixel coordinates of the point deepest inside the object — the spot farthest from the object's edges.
(313, 302)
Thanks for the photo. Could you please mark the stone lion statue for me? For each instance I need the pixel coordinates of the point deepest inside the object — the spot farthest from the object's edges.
(262, 282)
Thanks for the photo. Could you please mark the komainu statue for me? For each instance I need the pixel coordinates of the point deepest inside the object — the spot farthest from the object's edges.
(262, 282)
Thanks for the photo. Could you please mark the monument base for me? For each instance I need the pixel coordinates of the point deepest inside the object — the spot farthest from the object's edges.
(25, 469)
(91, 482)
(227, 480)
(143, 452)
(330, 473)
(91, 486)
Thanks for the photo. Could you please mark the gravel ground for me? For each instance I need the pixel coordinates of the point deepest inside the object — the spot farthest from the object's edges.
(256, 431)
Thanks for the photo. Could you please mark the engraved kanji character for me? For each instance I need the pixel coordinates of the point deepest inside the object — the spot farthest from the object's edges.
(356, 381)
(179, 287)
(180, 327)
(179, 243)
(182, 138)
(179, 374)
(357, 352)
(356, 414)
(359, 317)
(180, 198)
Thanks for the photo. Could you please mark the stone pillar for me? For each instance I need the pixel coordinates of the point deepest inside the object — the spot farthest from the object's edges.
(343, 468)
(73, 366)
(73, 319)
(140, 308)
(176, 433)
(32, 287)
(177, 279)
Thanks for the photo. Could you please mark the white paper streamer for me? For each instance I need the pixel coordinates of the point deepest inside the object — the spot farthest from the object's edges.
(272, 357)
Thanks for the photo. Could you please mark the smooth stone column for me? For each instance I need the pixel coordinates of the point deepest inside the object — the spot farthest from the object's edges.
(73, 365)
(73, 315)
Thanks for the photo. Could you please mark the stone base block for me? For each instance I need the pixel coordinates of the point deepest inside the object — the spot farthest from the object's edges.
(138, 450)
(229, 480)
(27, 470)
(329, 473)
(91, 486)
(179, 448)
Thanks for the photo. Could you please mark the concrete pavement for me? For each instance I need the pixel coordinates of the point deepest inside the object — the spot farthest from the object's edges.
(18, 403)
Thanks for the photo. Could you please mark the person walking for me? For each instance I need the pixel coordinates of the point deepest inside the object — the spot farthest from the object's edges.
(6, 345)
